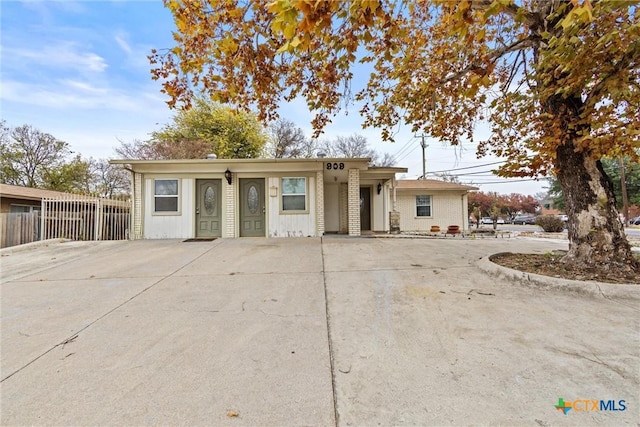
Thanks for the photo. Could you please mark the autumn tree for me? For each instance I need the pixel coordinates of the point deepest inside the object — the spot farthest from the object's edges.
(613, 171)
(441, 66)
(207, 128)
(490, 204)
(516, 203)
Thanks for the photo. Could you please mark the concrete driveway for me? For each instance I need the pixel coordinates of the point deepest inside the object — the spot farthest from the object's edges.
(347, 331)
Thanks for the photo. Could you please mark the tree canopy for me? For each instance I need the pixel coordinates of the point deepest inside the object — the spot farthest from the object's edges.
(441, 66)
(210, 128)
(32, 158)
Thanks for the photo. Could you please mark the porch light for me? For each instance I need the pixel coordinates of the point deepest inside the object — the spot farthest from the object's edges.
(227, 175)
(379, 188)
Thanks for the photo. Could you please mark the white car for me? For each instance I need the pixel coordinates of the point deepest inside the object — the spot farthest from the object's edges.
(488, 220)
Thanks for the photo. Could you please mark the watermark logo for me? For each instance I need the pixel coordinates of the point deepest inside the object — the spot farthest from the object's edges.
(563, 406)
(590, 405)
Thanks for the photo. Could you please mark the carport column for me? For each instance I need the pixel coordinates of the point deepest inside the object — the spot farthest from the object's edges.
(354, 202)
(136, 215)
(230, 207)
(319, 203)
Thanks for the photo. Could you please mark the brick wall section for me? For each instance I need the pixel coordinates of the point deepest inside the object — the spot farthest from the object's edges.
(319, 203)
(137, 207)
(230, 207)
(354, 202)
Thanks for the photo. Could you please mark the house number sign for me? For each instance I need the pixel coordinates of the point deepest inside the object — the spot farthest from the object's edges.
(335, 166)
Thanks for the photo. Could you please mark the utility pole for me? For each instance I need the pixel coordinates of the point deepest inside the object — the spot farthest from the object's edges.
(623, 186)
(424, 146)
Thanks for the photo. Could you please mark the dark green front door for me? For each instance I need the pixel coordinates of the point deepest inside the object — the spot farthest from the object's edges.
(365, 208)
(252, 208)
(208, 198)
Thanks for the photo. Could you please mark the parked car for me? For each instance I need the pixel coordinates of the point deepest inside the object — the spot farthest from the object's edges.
(635, 221)
(486, 220)
(563, 217)
(524, 219)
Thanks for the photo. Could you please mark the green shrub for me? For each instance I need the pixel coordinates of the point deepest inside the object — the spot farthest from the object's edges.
(550, 223)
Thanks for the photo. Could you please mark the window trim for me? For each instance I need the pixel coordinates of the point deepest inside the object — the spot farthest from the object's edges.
(283, 195)
(430, 205)
(178, 196)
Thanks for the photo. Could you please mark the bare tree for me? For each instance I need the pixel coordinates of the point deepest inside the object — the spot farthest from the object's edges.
(286, 140)
(386, 160)
(136, 150)
(108, 180)
(28, 155)
(355, 146)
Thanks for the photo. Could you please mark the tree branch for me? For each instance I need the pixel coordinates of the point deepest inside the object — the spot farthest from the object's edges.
(632, 55)
(494, 55)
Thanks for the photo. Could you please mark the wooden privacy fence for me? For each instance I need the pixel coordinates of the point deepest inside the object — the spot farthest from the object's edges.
(85, 218)
(18, 228)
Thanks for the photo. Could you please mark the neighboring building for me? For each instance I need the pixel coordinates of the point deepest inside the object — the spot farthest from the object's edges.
(208, 198)
(20, 209)
(16, 199)
(29, 214)
(426, 203)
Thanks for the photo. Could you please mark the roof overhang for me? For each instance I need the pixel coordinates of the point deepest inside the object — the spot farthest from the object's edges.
(238, 165)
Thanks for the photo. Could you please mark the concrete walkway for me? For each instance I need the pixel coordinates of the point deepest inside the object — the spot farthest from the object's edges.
(347, 331)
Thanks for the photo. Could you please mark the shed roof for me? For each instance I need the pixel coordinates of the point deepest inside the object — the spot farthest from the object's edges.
(28, 193)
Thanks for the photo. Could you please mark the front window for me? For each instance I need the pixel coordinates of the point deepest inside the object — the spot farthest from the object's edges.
(423, 205)
(24, 209)
(294, 194)
(166, 195)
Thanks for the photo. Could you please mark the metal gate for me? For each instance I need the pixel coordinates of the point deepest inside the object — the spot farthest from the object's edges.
(85, 218)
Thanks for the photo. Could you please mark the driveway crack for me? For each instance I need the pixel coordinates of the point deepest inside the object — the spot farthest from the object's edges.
(329, 340)
(75, 335)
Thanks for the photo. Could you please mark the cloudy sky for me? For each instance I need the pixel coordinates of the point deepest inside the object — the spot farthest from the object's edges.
(79, 71)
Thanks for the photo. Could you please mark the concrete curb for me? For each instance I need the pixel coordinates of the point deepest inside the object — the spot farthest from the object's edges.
(32, 245)
(532, 280)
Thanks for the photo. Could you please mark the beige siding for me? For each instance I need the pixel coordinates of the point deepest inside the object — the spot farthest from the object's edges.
(332, 207)
(344, 208)
(170, 226)
(290, 224)
(379, 205)
(446, 209)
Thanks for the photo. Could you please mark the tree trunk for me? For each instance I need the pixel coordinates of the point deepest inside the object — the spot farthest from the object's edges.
(596, 235)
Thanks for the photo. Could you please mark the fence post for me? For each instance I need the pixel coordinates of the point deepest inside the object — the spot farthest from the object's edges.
(98, 219)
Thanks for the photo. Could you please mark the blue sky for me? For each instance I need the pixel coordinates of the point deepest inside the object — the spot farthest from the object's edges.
(79, 71)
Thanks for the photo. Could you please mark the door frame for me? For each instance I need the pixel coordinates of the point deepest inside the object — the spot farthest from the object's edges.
(239, 204)
(219, 202)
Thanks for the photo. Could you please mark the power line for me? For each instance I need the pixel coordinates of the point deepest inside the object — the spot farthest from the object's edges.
(469, 167)
(507, 182)
(404, 147)
(407, 153)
